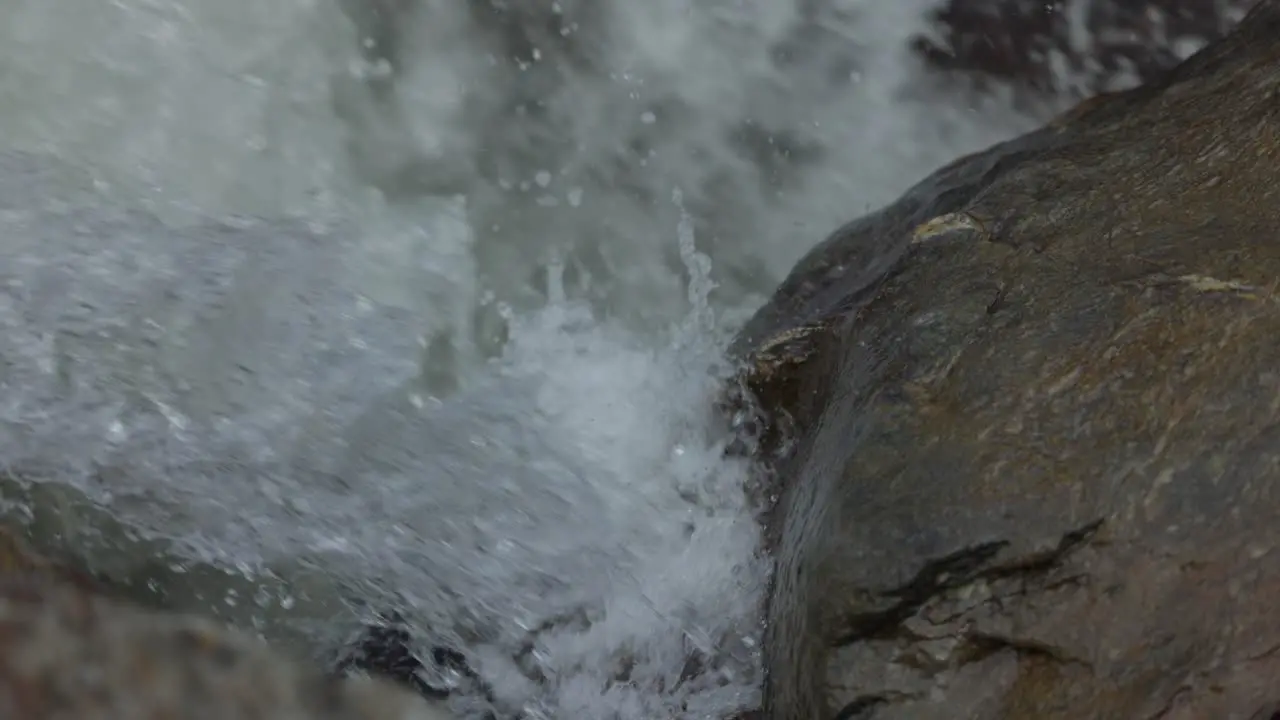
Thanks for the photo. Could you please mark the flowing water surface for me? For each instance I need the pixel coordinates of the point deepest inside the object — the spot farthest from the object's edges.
(316, 308)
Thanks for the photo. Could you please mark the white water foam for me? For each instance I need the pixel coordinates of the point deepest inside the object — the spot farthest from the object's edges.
(472, 378)
(574, 474)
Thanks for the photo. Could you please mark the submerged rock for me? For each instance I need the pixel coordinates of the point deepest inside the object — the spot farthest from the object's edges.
(386, 648)
(1036, 406)
(68, 651)
(18, 558)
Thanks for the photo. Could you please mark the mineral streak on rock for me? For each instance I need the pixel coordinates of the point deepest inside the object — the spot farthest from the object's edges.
(66, 653)
(944, 225)
(1037, 461)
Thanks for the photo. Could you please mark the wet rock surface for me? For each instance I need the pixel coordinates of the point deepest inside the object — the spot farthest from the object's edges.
(1072, 47)
(1036, 460)
(17, 558)
(69, 651)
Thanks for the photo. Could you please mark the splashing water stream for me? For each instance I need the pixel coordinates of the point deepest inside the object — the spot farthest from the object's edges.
(328, 312)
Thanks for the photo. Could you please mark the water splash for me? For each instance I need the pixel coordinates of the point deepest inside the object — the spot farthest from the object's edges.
(472, 379)
(577, 476)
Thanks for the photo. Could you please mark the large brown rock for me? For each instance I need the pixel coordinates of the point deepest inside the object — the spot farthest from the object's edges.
(1035, 470)
(67, 651)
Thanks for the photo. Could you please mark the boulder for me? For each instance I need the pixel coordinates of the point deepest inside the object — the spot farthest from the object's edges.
(67, 650)
(1033, 465)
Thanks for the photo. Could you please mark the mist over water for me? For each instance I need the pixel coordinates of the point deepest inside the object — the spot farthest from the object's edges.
(422, 305)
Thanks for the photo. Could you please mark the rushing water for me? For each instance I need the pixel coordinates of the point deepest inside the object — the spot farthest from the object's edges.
(429, 314)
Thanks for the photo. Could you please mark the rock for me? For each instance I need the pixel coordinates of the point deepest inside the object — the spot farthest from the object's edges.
(1035, 470)
(1073, 46)
(69, 651)
(59, 528)
(18, 558)
(386, 648)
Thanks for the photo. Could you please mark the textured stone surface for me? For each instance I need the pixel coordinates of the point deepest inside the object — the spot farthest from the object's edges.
(69, 652)
(1036, 464)
(1073, 46)
(17, 558)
